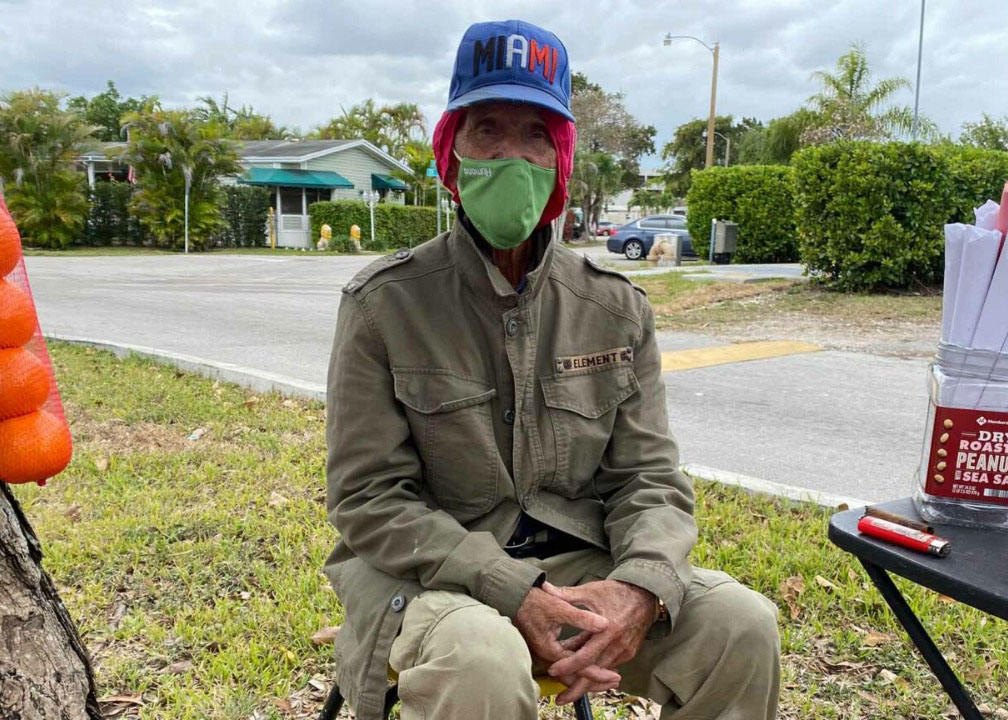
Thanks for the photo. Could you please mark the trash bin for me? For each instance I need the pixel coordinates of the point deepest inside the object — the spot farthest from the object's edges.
(725, 241)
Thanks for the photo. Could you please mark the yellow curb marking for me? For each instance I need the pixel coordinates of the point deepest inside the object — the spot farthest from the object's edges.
(676, 360)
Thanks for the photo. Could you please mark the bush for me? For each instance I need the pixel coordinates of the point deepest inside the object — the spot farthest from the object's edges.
(396, 225)
(109, 220)
(871, 215)
(757, 197)
(245, 210)
(977, 176)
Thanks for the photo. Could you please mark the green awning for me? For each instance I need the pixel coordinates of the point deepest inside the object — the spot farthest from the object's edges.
(386, 182)
(294, 178)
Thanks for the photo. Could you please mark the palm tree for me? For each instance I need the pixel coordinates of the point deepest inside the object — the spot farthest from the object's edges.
(250, 125)
(391, 127)
(361, 121)
(212, 111)
(403, 123)
(165, 146)
(39, 144)
(418, 155)
(849, 106)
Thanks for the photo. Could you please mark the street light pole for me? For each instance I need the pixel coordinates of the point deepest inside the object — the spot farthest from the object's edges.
(715, 51)
(727, 150)
(710, 119)
(187, 174)
(371, 198)
(920, 48)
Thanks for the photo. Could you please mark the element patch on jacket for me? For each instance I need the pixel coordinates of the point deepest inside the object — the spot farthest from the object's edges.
(599, 359)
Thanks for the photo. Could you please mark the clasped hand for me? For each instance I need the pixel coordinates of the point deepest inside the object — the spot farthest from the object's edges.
(613, 617)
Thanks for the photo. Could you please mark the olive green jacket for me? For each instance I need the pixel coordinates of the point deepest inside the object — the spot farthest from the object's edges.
(454, 403)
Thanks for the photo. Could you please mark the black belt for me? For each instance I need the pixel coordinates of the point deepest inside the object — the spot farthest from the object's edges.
(545, 543)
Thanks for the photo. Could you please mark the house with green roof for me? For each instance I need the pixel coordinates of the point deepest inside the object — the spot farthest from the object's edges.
(297, 173)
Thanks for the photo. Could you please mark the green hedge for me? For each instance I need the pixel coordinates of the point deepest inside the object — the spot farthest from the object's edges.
(871, 215)
(245, 209)
(757, 197)
(109, 220)
(977, 176)
(396, 225)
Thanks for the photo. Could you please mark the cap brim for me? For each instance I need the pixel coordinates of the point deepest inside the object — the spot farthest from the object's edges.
(510, 92)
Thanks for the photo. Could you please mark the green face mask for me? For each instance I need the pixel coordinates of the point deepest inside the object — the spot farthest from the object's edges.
(504, 198)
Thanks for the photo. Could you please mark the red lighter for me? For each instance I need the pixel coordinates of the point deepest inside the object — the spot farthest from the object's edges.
(902, 535)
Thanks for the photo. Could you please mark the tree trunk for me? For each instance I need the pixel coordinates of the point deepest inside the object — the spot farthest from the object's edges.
(45, 672)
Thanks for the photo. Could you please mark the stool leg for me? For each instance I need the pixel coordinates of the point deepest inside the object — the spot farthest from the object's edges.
(391, 698)
(333, 704)
(582, 708)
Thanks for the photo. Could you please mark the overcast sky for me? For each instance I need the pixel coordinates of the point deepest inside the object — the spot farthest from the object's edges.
(300, 61)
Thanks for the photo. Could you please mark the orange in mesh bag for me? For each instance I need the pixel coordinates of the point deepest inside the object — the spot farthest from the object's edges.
(35, 441)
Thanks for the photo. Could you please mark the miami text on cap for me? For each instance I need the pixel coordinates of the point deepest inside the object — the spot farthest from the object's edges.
(511, 60)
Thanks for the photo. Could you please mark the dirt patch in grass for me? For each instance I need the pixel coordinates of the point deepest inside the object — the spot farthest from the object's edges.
(706, 293)
(118, 436)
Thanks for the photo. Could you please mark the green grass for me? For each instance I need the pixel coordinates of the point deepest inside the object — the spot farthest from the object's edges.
(168, 550)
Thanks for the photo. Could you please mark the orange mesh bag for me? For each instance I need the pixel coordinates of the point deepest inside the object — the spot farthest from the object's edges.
(35, 441)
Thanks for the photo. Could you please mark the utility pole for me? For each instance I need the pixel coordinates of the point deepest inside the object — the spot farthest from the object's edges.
(715, 51)
(920, 48)
(710, 119)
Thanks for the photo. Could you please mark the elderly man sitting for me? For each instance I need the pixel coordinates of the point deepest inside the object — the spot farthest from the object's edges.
(499, 462)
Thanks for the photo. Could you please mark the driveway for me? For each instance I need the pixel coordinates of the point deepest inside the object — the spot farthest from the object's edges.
(837, 422)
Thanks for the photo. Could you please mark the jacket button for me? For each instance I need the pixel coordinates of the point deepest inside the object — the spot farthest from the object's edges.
(512, 327)
(402, 254)
(509, 416)
(398, 602)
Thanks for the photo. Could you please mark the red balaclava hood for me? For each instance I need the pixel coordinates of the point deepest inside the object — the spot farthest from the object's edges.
(561, 130)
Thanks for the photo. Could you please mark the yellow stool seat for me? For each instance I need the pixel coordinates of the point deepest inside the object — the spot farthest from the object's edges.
(548, 687)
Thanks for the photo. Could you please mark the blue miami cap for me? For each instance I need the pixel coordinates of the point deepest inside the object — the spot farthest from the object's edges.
(511, 60)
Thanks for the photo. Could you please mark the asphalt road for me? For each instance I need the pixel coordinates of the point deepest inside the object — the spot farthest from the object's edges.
(841, 423)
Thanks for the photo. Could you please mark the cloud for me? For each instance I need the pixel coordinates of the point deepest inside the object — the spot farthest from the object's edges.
(301, 61)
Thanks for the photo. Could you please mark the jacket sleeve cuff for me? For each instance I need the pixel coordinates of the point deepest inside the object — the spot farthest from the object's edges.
(506, 584)
(660, 580)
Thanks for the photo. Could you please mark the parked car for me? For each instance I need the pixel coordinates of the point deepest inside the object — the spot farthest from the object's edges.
(636, 238)
(605, 227)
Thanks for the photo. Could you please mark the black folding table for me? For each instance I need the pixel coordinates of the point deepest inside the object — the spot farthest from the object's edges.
(974, 573)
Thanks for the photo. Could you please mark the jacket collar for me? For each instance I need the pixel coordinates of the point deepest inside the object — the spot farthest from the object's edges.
(475, 264)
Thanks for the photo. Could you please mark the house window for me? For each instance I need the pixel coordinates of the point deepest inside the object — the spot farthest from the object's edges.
(314, 195)
(290, 201)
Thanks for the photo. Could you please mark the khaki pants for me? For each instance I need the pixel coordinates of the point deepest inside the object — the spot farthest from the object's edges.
(458, 659)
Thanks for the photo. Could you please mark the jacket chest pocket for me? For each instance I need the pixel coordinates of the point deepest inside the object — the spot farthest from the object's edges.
(582, 408)
(452, 427)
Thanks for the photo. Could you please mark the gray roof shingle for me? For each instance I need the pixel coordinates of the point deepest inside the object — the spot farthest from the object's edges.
(246, 148)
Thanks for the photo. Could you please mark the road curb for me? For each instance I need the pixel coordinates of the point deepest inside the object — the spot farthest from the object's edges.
(262, 381)
(768, 487)
(258, 380)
